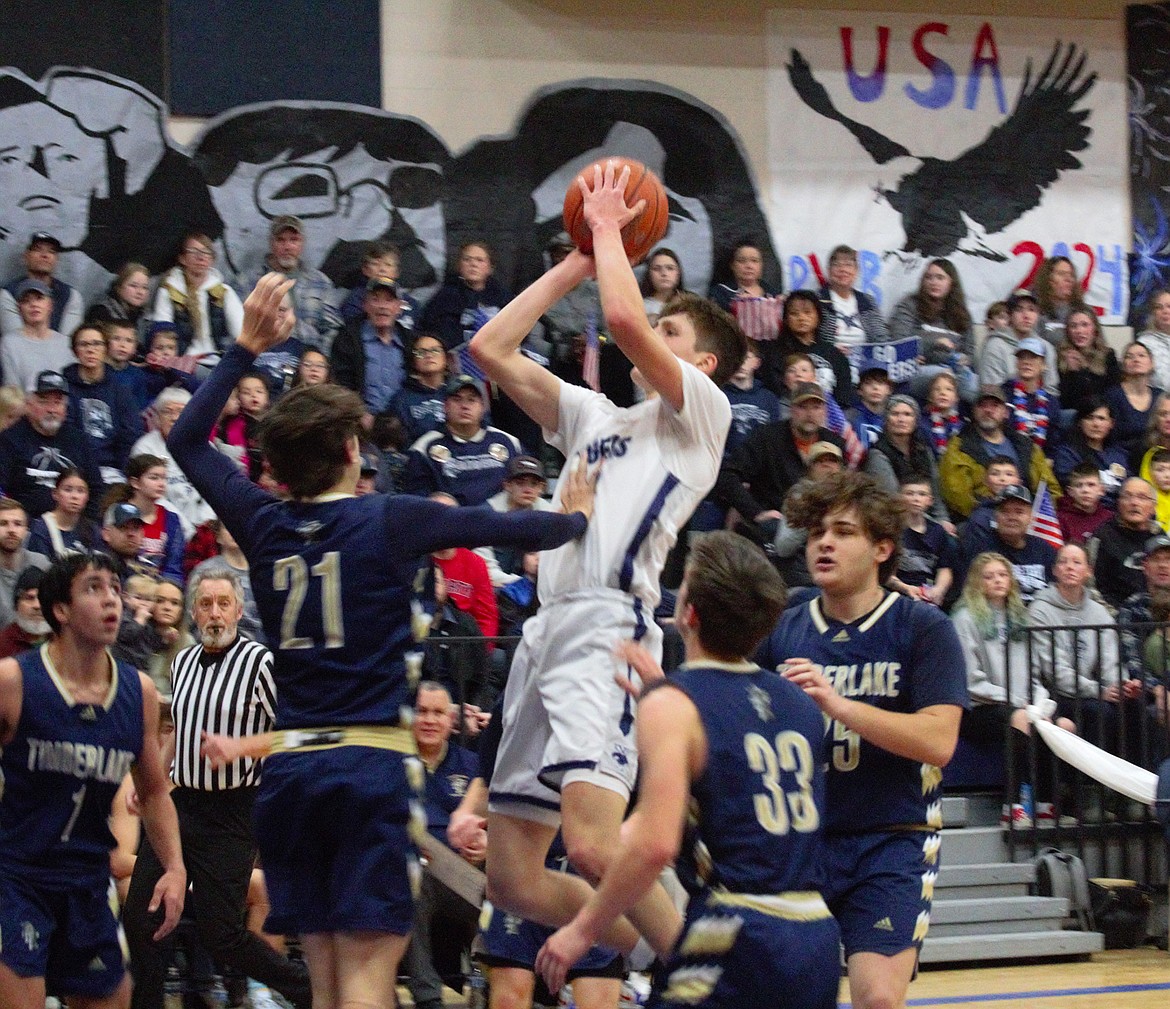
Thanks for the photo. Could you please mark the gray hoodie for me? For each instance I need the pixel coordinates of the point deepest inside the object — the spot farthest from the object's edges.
(1073, 663)
(996, 673)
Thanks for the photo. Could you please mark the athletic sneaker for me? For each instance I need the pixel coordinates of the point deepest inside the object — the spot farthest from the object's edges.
(1017, 817)
(1046, 816)
(635, 991)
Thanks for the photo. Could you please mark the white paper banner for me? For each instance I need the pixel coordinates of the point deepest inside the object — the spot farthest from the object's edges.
(991, 142)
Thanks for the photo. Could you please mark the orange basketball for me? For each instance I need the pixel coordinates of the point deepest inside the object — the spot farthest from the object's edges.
(644, 231)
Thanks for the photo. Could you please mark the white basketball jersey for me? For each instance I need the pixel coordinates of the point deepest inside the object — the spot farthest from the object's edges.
(657, 465)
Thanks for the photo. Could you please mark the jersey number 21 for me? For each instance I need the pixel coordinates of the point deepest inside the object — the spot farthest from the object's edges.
(291, 575)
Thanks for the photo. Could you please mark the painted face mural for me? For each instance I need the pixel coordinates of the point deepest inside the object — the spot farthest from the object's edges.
(84, 157)
(351, 175)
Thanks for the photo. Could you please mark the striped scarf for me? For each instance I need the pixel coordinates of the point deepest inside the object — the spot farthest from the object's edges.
(943, 427)
(1031, 412)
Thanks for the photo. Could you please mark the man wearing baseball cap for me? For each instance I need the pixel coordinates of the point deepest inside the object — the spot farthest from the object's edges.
(773, 457)
(40, 263)
(985, 437)
(313, 295)
(524, 487)
(35, 346)
(1031, 558)
(369, 354)
(43, 444)
(1034, 410)
(122, 530)
(997, 360)
(464, 458)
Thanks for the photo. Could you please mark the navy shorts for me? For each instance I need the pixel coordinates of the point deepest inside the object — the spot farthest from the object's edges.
(737, 951)
(66, 934)
(512, 941)
(880, 886)
(337, 831)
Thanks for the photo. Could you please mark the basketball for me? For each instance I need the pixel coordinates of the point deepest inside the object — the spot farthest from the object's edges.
(644, 231)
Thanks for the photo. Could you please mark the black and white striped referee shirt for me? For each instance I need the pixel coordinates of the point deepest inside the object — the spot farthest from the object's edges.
(230, 693)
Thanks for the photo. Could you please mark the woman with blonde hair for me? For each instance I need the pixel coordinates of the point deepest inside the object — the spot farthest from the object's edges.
(991, 621)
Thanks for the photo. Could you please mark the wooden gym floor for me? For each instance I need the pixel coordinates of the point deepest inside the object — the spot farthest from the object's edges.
(1115, 979)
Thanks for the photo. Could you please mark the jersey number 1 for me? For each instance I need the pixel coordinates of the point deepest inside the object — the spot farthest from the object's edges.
(291, 575)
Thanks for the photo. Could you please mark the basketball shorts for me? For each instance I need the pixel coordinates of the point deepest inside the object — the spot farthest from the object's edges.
(337, 831)
(565, 719)
(66, 934)
(511, 941)
(740, 950)
(880, 887)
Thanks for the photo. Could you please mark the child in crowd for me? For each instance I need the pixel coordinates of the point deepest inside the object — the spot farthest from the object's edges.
(751, 403)
(799, 368)
(1160, 476)
(873, 389)
(254, 402)
(169, 624)
(998, 317)
(162, 535)
(929, 555)
(941, 418)
(137, 641)
(1080, 510)
(1000, 473)
(65, 528)
(382, 259)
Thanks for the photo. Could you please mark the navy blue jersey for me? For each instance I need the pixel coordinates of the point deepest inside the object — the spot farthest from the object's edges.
(749, 409)
(61, 772)
(446, 786)
(761, 795)
(333, 577)
(470, 470)
(902, 656)
(924, 553)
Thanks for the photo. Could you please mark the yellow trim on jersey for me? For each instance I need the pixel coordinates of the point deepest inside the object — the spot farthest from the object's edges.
(792, 905)
(731, 667)
(380, 737)
(64, 691)
(822, 625)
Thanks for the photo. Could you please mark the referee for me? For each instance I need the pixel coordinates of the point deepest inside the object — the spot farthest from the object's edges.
(221, 685)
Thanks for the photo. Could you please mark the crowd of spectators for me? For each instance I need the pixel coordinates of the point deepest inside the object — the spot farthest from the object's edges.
(1042, 407)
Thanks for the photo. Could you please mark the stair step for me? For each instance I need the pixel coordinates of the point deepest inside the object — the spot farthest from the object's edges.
(1011, 946)
(949, 912)
(984, 880)
(954, 811)
(973, 844)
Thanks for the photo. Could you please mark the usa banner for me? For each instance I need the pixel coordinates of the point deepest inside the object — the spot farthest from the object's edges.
(991, 142)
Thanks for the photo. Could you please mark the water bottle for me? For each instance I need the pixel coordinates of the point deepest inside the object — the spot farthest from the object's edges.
(477, 995)
(1026, 798)
(173, 989)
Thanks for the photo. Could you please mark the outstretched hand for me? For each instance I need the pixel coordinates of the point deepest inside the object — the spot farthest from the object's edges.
(265, 326)
(579, 487)
(639, 659)
(559, 954)
(605, 202)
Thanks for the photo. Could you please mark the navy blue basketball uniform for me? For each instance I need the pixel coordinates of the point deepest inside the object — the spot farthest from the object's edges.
(60, 774)
(884, 811)
(333, 580)
(757, 931)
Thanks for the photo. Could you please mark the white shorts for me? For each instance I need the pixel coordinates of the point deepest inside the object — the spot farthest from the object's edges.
(565, 719)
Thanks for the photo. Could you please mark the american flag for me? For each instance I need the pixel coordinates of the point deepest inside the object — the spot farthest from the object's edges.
(1044, 522)
(591, 362)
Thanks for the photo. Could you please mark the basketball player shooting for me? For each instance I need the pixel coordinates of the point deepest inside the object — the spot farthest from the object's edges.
(568, 756)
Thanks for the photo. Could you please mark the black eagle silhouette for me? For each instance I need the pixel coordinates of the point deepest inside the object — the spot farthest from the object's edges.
(998, 179)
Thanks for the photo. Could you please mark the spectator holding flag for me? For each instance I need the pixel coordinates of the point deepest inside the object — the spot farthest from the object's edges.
(1045, 523)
